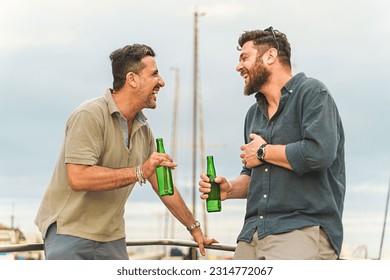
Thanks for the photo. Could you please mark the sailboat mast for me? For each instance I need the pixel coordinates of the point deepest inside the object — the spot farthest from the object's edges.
(384, 223)
(174, 131)
(195, 111)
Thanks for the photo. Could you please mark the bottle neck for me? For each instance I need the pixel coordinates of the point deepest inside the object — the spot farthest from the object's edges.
(160, 146)
(210, 167)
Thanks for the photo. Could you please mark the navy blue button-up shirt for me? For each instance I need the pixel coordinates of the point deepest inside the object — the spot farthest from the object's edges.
(280, 200)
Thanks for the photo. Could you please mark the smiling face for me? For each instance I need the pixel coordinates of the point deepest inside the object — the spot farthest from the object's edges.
(252, 68)
(150, 83)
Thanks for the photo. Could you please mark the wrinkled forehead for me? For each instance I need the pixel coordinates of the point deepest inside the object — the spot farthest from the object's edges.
(149, 61)
(149, 64)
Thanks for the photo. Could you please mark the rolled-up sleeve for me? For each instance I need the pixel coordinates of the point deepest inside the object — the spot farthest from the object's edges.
(318, 147)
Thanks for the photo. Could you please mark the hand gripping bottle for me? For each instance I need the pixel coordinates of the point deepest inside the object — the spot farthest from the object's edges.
(213, 202)
(164, 174)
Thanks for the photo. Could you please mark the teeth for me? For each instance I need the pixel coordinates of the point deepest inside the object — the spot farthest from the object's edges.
(244, 75)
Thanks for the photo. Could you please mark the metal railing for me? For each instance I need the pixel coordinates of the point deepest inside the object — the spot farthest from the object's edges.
(147, 242)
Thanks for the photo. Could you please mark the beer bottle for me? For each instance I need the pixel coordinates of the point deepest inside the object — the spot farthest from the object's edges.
(164, 174)
(213, 202)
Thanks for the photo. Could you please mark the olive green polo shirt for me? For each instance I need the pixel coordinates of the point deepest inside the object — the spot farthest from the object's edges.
(94, 136)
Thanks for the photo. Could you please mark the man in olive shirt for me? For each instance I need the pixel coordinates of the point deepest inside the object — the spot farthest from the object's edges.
(108, 147)
(294, 175)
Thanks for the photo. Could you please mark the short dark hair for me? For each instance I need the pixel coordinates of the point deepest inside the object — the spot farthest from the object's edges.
(264, 39)
(128, 59)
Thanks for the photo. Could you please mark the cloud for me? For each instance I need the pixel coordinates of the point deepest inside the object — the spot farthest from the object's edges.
(368, 188)
(54, 54)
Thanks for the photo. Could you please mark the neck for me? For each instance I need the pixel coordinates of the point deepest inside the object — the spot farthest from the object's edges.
(126, 107)
(272, 89)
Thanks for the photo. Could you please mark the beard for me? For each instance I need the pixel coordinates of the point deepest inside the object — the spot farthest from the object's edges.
(257, 78)
(149, 99)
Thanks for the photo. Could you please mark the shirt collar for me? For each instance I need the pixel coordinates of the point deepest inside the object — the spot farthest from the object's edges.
(289, 87)
(113, 108)
(295, 81)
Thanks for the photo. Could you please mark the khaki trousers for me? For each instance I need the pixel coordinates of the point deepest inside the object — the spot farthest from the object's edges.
(309, 243)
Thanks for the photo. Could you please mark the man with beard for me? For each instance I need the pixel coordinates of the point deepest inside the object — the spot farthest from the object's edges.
(293, 175)
(108, 147)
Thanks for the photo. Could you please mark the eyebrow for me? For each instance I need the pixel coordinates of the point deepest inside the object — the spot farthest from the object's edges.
(242, 54)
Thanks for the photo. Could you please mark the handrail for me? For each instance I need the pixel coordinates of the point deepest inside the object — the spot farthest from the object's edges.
(184, 243)
(146, 242)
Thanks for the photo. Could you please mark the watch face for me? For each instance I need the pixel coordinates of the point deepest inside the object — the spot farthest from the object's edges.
(259, 153)
(195, 225)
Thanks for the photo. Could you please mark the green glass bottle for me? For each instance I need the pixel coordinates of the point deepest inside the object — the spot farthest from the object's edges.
(164, 174)
(213, 202)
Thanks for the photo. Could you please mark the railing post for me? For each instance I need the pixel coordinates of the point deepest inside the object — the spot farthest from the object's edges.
(193, 253)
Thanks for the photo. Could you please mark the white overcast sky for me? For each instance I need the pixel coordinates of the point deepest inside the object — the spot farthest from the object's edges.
(54, 55)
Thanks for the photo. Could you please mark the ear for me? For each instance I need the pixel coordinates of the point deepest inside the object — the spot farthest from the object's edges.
(272, 55)
(131, 79)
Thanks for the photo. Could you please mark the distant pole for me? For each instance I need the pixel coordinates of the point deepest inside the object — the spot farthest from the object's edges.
(195, 109)
(195, 112)
(174, 131)
(384, 223)
(195, 119)
(12, 217)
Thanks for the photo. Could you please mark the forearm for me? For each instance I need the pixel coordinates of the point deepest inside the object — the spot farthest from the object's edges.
(238, 188)
(276, 154)
(98, 178)
(175, 204)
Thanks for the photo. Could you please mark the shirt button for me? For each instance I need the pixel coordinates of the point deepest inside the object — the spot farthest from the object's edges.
(266, 170)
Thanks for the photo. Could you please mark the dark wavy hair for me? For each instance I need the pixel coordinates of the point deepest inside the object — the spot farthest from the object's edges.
(264, 39)
(128, 59)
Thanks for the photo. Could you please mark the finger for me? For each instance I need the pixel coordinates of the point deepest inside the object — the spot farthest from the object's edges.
(209, 241)
(201, 249)
(204, 177)
(205, 189)
(165, 156)
(218, 179)
(164, 161)
(253, 136)
(204, 184)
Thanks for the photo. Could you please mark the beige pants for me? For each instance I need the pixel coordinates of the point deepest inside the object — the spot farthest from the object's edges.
(309, 243)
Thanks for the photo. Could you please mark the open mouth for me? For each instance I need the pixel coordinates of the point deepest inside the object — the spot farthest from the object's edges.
(245, 76)
(156, 90)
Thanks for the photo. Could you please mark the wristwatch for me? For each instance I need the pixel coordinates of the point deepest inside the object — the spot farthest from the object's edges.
(261, 152)
(194, 225)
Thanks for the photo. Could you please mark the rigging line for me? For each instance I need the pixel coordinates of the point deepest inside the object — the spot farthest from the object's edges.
(384, 223)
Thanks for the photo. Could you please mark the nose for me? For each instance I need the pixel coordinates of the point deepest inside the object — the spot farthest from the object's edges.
(239, 67)
(161, 81)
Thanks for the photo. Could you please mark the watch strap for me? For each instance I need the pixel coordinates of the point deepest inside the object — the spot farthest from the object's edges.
(194, 225)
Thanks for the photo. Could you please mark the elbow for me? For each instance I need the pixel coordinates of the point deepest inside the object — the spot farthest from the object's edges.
(74, 184)
(309, 158)
(74, 179)
(320, 158)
